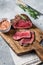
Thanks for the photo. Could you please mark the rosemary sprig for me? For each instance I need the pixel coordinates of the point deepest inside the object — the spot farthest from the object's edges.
(23, 17)
(33, 13)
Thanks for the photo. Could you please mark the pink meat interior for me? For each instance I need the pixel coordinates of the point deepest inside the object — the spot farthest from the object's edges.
(23, 24)
(22, 34)
(27, 40)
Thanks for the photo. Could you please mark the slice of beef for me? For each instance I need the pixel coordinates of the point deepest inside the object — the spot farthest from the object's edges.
(19, 23)
(27, 41)
(22, 24)
(22, 34)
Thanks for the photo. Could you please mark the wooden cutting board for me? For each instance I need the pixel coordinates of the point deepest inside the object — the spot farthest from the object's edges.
(20, 50)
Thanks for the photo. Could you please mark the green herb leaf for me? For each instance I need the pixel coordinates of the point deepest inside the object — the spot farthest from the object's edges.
(33, 13)
(23, 17)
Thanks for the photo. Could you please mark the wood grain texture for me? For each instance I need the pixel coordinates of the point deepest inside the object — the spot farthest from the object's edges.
(38, 49)
(20, 50)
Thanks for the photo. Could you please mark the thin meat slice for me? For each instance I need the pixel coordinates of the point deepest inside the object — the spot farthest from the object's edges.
(27, 41)
(22, 34)
(22, 24)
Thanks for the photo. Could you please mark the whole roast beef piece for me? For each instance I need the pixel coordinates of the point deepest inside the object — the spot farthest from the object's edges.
(19, 22)
(22, 34)
(27, 41)
(22, 24)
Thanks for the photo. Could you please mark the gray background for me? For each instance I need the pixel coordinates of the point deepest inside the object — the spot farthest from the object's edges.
(5, 55)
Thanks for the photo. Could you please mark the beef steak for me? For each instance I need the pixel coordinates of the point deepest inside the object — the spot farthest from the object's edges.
(22, 24)
(19, 23)
(27, 41)
(22, 34)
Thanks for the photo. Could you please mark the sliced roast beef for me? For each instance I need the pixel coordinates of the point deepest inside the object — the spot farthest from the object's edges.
(19, 22)
(22, 34)
(22, 24)
(27, 41)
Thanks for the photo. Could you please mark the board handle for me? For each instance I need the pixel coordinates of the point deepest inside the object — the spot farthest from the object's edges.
(38, 49)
